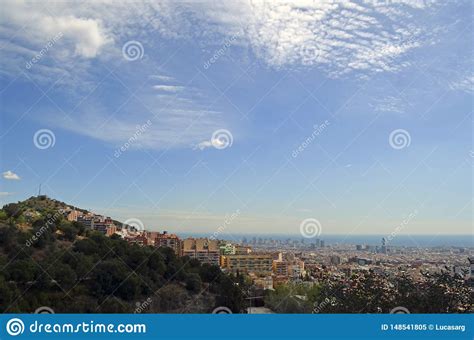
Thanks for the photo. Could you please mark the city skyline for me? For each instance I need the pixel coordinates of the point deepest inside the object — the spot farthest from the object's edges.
(312, 122)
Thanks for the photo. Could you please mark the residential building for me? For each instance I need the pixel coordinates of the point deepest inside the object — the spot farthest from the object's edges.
(280, 268)
(296, 269)
(254, 263)
(265, 282)
(203, 249)
(73, 215)
(87, 221)
(168, 240)
(242, 250)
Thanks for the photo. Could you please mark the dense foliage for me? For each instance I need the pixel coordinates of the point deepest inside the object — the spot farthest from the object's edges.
(48, 261)
(375, 293)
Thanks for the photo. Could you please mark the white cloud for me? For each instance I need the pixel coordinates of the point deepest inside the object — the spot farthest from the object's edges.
(338, 37)
(36, 24)
(86, 34)
(161, 77)
(178, 119)
(4, 193)
(217, 143)
(10, 175)
(168, 88)
(465, 84)
(203, 145)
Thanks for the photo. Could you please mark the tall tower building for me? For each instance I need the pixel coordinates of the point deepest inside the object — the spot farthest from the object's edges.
(383, 250)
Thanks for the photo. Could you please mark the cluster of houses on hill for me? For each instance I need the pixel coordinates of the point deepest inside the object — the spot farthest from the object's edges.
(265, 268)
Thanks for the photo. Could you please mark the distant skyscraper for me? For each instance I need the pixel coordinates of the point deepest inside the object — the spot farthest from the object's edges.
(383, 249)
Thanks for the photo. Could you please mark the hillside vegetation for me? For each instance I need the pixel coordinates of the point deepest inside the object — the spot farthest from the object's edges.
(49, 261)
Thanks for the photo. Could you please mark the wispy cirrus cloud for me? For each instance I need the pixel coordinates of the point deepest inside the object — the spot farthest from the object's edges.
(340, 38)
(168, 88)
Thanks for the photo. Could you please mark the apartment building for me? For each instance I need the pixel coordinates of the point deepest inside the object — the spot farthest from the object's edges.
(252, 263)
(280, 268)
(203, 249)
(168, 240)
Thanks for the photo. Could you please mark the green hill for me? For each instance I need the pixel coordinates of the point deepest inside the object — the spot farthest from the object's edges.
(49, 261)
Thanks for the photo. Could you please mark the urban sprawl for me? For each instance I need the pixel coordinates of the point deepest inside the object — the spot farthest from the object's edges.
(270, 262)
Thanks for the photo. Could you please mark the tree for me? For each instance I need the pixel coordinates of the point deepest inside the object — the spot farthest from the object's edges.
(13, 210)
(64, 275)
(193, 282)
(70, 232)
(22, 271)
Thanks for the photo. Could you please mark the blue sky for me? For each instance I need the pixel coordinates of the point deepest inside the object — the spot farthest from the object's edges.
(332, 80)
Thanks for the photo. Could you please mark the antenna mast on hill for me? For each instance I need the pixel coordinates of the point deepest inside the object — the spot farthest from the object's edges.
(39, 190)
